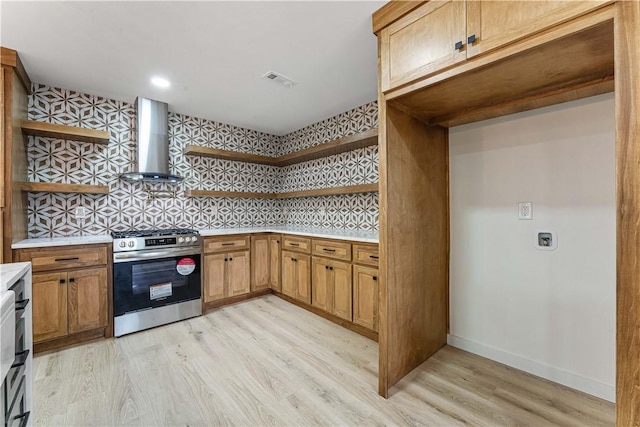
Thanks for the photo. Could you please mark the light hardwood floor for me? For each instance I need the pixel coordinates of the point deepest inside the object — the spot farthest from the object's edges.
(268, 362)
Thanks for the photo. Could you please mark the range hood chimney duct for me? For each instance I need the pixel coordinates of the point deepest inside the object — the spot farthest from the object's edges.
(152, 143)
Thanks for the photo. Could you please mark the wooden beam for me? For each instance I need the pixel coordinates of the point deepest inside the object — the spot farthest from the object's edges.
(627, 72)
(72, 133)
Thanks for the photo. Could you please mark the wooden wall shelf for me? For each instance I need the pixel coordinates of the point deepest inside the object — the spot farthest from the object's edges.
(54, 187)
(349, 189)
(341, 145)
(71, 133)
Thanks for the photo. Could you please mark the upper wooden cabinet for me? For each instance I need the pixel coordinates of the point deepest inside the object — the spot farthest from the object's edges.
(440, 34)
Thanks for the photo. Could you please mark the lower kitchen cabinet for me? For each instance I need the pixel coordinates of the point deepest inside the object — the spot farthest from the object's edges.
(70, 293)
(274, 262)
(226, 275)
(260, 261)
(296, 276)
(332, 287)
(69, 302)
(365, 296)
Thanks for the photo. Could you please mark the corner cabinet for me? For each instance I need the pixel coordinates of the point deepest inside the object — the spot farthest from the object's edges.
(438, 35)
(70, 294)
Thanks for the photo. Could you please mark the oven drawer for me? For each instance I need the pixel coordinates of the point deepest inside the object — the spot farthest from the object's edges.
(366, 254)
(299, 244)
(225, 244)
(62, 258)
(330, 249)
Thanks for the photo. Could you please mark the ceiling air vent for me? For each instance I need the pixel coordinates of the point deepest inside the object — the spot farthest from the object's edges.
(279, 78)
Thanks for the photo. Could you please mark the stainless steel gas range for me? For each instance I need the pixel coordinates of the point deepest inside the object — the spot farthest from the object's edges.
(156, 278)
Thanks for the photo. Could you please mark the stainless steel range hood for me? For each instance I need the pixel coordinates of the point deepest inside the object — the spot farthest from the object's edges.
(152, 146)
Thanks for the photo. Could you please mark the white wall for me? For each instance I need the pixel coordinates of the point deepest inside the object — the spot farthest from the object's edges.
(550, 313)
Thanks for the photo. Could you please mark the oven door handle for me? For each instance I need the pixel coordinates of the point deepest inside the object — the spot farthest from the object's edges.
(140, 256)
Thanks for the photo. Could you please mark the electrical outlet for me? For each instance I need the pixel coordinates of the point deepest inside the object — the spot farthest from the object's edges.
(525, 210)
(80, 212)
(213, 210)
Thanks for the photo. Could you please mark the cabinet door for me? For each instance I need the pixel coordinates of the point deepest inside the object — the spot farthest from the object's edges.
(238, 273)
(496, 23)
(260, 262)
(342, 289)
(214, 277)
(320, 282)
(49, 306)
(422, 42)
(303, 278)
(289, 285)
(87, 299)
(274, 267)
(365, 296)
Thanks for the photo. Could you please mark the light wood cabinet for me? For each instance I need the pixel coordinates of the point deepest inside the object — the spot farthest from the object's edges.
(226, 275)
(70, 293)
(274, 262)
(332, 287)
(296, 276)
(365, 296)
(438, 35)
(260, 262)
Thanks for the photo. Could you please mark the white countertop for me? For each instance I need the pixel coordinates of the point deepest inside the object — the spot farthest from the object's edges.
(326, 233)
(61, 241)
(10, 273)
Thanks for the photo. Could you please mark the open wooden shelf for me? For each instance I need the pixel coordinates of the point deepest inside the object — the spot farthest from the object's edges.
(214, 153)
(54, 187)
(71, 133)
(240, 194)
(348, 189)
(341, 145)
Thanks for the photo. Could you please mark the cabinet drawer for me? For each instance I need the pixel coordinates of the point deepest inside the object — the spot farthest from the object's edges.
(366, 254)
(61, 258)
(328, 248)
(225, 244)
(300, 244)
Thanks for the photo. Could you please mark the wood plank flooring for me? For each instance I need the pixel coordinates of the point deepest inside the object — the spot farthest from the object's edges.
(267, 362)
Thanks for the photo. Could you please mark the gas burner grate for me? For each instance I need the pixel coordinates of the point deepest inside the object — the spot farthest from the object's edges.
(152, 233)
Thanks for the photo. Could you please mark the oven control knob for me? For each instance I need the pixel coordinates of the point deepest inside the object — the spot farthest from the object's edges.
(123, 244)
(194, 238)
(181, 239)
(131, 243)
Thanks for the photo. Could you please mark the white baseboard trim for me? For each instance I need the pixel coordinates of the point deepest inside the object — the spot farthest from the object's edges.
(551, 373)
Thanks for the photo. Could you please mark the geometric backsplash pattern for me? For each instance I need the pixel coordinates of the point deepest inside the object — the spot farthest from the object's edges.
(127, 206)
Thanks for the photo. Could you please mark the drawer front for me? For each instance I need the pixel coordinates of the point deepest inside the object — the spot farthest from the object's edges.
(299, 244)
(225, 244)
(66, 258)
(366, 254)
(330, 249)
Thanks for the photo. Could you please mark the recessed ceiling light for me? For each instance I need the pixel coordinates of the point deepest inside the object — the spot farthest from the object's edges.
(160, 82)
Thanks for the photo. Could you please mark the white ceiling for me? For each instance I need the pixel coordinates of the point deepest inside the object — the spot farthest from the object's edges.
(214, 53)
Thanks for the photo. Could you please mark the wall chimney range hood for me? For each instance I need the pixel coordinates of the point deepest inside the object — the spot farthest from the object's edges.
(152, 143)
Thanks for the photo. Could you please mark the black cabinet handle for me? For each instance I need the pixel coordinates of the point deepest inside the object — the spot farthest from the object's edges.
(293, 259)
(471, 39)
(230, 259)
(373, 256)
(72, 280)
(375, 277)
(229, 244)
(226, 259)
(294, 244)
(458, 45)
(62, 281)
(331, 268)
(75, 258)
(326, 267)
(328, 250)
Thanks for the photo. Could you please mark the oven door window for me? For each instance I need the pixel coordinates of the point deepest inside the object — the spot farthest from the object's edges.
(139, 285)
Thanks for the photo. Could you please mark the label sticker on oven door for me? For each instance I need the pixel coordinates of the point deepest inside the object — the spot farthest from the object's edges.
(186, 266)
(161, 290)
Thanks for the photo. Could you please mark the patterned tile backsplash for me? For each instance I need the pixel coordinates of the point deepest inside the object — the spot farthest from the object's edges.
(127, 206)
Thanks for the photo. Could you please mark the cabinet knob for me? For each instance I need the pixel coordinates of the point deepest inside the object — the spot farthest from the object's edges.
(458, 45)
(230, 259)
(62, 281)
(375, 277)
(331, 268)
(471, 39)
(226, 260)
(72, 280)
(326, 267)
